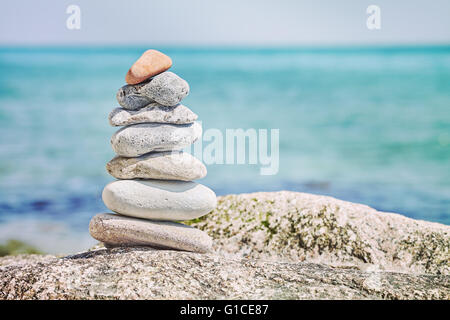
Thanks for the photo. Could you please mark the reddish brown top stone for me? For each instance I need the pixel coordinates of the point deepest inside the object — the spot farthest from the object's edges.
(151, 63)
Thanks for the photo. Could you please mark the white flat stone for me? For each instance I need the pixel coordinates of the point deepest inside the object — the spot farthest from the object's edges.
(159, 199)
(169, 165)
(154, 112)
(115, 230)
(138, 139)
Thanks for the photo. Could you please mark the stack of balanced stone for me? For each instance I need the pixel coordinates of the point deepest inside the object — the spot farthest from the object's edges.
(155, 186)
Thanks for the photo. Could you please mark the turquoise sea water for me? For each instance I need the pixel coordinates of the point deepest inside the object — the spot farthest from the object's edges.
(369, 125)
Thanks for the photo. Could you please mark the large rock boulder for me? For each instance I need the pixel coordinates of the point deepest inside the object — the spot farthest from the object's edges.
(139, 273)
(281, 245)
(293, 227)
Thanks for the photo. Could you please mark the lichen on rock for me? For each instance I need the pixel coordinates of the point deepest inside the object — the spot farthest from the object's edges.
(293, 226)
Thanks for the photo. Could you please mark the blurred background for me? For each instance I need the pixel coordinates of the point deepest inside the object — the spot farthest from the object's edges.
(364, 115)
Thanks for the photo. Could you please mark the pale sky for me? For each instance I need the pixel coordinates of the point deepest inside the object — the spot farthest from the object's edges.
(225, 22)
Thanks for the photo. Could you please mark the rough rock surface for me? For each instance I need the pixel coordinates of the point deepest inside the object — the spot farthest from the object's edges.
(324, 249)
(153, 112)
(171, 165)
(115, 230)
(166, 88)
(159, 199)
(151, 63)
(138, 139)
(293, 226)
(138, 273)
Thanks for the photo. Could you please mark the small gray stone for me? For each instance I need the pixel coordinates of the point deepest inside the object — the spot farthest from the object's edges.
(153, 112)
(169, 165)
(119, 231)
(138, 139)
(166, 88)
(130, 98)
(159, 199)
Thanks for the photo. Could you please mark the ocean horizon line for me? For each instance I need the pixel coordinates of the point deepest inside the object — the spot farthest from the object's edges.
(344, 48)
